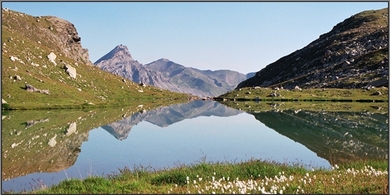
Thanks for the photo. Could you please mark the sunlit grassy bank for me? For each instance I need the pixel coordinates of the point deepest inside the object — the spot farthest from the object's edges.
(311, 94)
(253, 177)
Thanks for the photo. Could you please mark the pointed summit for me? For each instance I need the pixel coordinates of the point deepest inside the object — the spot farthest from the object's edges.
(119, 52)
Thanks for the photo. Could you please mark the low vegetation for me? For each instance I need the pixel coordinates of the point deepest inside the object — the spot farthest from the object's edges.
(250, 177)
(312, 94)
(265, 106)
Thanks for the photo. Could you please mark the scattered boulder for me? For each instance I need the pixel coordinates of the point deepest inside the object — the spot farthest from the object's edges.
(71, 71)
(377, 93)
(274, 94)
(33, 122)
(71, 129)
(52, 57)
(30, 88)
(17, 77)
(297, 88)
(34, 64)
(52, 141)
(297, 111)
(13, 58)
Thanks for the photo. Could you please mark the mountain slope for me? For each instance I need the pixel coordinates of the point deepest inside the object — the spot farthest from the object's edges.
(44, 66)
(353, 54)
(166, 74)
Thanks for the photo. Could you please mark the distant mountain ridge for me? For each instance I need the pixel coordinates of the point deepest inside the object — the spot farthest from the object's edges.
(353, 54)
(169, 75)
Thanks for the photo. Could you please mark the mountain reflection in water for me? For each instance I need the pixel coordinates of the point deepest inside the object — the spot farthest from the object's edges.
(55, 145)
(168, 115)
(336, 136)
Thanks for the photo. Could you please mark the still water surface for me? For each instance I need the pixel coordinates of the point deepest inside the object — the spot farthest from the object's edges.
(185, 134)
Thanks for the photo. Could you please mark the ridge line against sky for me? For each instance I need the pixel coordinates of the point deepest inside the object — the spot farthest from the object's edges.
(238, 36)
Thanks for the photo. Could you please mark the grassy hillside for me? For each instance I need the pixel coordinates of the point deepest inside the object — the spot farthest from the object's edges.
(28, 40)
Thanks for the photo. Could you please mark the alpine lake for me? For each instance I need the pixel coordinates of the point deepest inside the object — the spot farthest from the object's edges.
(44, 147)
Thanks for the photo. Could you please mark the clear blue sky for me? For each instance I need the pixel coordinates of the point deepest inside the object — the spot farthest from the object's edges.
(239, 36)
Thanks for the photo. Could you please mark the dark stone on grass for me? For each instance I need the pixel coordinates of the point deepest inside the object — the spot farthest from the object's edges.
(31, 88)
(377, 93)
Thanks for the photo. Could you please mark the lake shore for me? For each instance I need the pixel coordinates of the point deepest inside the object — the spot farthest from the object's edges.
(310, 94)
(253, 176)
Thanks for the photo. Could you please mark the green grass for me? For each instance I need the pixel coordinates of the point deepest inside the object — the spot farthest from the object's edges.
(252, 176)
(265, 106)
(312, 94)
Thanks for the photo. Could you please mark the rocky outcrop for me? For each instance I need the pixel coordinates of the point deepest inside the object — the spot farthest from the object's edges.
(50, 30)
(353, 54)
(66, 38)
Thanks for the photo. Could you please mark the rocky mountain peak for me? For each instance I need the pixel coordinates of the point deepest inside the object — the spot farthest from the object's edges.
(119, 52)
(163, 60)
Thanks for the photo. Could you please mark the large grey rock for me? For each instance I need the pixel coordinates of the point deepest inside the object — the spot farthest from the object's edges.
(71, 71)
(52, 58)
(71, 129)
